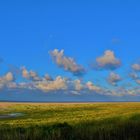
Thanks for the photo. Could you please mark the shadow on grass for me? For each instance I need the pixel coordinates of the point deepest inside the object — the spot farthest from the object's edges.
(107, 129)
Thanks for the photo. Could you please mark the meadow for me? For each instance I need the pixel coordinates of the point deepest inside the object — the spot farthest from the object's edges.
(70, 121)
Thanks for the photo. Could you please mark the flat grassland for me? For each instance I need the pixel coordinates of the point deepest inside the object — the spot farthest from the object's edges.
(70, 121)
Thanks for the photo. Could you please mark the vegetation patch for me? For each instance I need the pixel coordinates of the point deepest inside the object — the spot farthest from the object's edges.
(73, 122)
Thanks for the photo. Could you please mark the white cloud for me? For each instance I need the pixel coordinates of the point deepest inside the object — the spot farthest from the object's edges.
(12, 85)
(25, 73)
(48, 78)
(34, 76)
(136, 67)
(114, 78)
(27, 85)
(107, 61)
(6, 79)
(137, 81)
(67, 63)
(67, 86)
(58, 84)
(134, 75)
(92, 87)
(30, 75)
(78, 85)
(73, 87)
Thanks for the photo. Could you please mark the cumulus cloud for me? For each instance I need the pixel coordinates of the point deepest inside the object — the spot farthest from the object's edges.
(27, 85)
(135, 76)
(58, 84)
(137, 81)
(78, 85)
(114, 78)
(12, 85)
(30, 75)
(34, 76)
(25, 73)
(65, 85)
(67, 63)
(107, 61)
(136, 67)
(90, 86)
(48, 78)
(7, 79)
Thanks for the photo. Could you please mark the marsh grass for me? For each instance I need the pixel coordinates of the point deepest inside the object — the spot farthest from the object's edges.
(120, 121)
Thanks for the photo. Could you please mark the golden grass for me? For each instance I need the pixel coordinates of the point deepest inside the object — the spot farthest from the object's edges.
(46, 113)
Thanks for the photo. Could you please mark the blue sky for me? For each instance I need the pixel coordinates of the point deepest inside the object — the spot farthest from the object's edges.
(85, 30)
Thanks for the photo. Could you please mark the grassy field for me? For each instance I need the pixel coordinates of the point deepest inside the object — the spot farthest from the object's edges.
(70, 121)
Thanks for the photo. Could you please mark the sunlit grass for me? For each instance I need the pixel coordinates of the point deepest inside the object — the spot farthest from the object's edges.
(83, 118)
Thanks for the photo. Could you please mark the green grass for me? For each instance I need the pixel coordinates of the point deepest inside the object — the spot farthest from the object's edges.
(99, 121)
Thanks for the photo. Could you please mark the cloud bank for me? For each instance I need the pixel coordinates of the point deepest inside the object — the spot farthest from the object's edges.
(30, 80)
